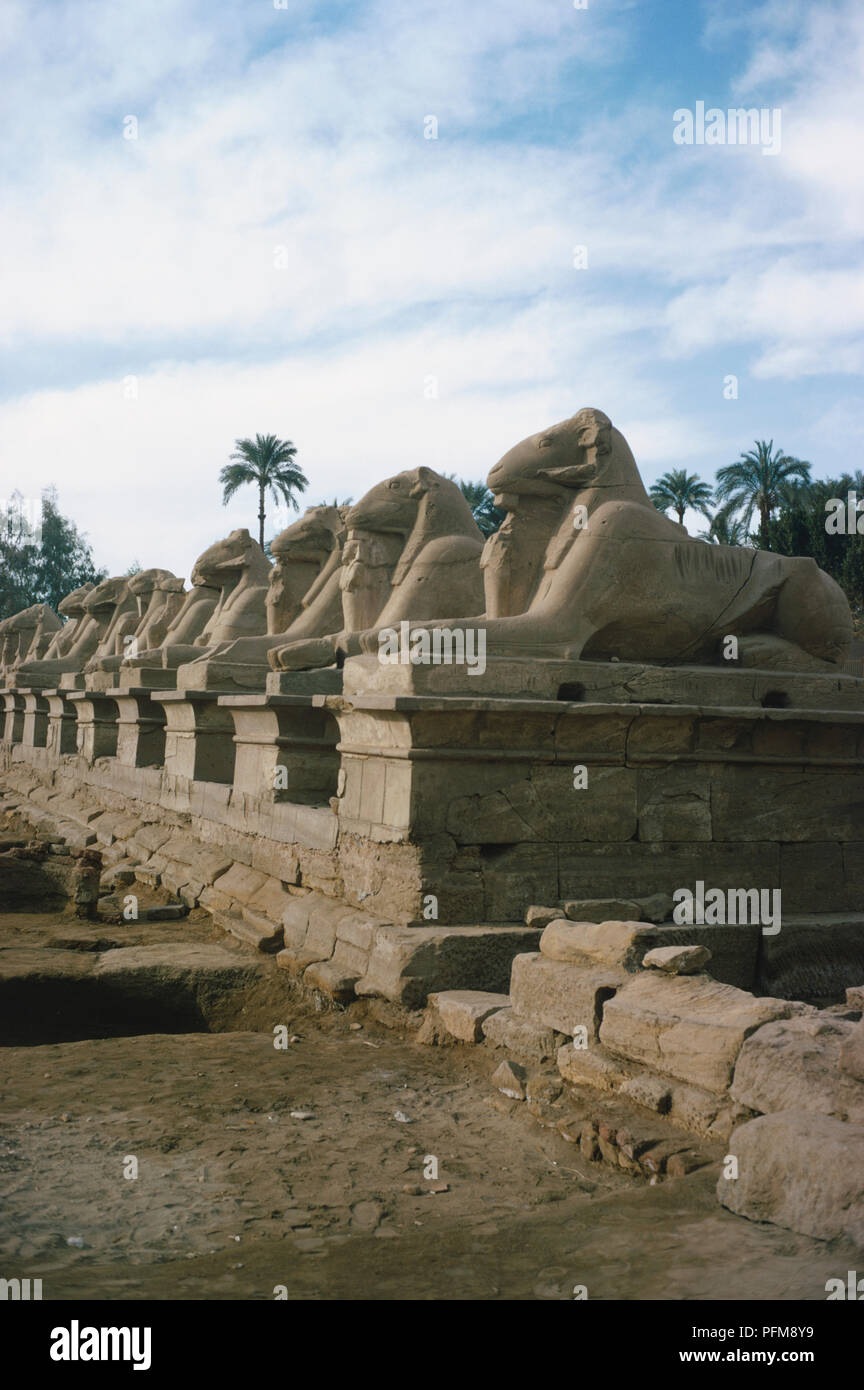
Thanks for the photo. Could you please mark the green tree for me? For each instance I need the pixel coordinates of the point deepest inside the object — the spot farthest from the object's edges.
(681, 490)
(725, 529)
(267, 462)
(480, 500)
(759, 481)
(41, 563)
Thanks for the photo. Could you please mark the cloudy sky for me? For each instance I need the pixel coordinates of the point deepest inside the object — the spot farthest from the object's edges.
(283, 250)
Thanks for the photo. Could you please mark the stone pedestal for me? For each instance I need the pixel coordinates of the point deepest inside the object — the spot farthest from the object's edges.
(97, 724)
(62, 723)
(286, 747)
(489, 804)
(13, 716)
(140, 727)
(199, 736)
(35, 733)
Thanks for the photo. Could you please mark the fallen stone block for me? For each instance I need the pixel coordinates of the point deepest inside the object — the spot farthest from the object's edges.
(330, 979)
(255, 931)
(561, 995)
(463, 1011)
(543, 1087)
(687, 1026)
(587, 943)
(510, 1080)
(855, 997)
(677, 960)
(799, 1064)
(591, 1066)
(541, 916)
(799, 1173)
(650, 1091)
(526, 1040)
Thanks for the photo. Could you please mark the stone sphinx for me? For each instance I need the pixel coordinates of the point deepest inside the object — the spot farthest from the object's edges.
(584, 566)
(413, 550)
(227, 601)
(109, 612)
(73, 610)
(158, 595)
(27, 635)
(303, 599)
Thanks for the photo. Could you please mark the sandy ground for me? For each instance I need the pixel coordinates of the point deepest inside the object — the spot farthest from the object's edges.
(236, 1197)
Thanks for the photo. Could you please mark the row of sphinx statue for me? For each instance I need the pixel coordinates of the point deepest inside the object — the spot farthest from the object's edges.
(583, 566)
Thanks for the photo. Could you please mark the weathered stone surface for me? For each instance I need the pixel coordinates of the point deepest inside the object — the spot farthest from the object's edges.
(592, 1066)
(602, 910)
(794, 1173)
(795, 1064)
(855, 996)
(524, 1039)
(560, 995)
(541, 916)
(651, 1091)
(463, 1011)
(510, 1078)
(589, 943)
(852, 1059)
(406, 963)
(331, 979)
(677, 960)
(688, 1026)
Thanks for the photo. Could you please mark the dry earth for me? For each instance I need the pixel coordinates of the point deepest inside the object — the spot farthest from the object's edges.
(235, 1195)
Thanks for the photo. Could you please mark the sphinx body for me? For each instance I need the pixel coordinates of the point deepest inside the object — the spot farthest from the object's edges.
(585, 566)
(413, 549)
(26, 635)
(158, 597)
(227, 600)
(109, 612)
(303, 598)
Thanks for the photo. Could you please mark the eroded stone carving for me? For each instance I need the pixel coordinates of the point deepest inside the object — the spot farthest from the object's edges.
(620, 580)
(413, 549)
(110, 612)
(303, 600)
(158, 596)
(27, 635)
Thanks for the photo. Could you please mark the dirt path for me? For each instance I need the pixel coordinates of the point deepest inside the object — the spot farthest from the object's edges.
(235, 1196)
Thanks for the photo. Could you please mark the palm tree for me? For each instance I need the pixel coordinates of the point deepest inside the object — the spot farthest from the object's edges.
(759, 481)
(480, 500)
(725, 529)
(267, 462)
(680, 490)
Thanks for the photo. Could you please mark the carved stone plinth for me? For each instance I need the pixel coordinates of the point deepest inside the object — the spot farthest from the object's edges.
(97, 724)
(13, 716)
(286, 747)
(62, 723)
(199, 735)
(140, 727)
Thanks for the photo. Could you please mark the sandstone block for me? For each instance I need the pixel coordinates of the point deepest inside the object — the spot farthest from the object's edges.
(562, 995)
(807, 1176)
(510, 1080)
(464, 1011)
(677, 960)
(852, 1060)
(687, 1026)
(591, 1066)
(526, 1040)
(541, 916)
(795, 1064)
(601, 943)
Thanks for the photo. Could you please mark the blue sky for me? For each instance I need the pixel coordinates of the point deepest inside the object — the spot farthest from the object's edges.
(281, 250)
